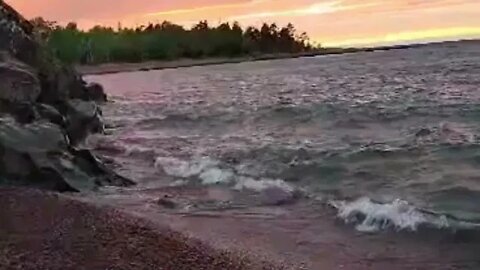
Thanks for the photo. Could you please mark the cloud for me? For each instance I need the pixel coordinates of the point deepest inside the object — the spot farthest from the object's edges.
(314, 9)
(201, 9)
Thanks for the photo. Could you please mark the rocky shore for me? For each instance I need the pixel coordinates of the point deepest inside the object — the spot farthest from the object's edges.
(46, 111)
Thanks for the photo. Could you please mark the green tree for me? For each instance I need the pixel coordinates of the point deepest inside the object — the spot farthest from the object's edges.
(166, 41)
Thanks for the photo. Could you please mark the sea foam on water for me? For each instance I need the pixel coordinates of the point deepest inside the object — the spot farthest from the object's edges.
(209, 172)
(370, 216)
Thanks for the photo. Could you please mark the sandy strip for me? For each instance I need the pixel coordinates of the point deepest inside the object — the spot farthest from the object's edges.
(156, 65)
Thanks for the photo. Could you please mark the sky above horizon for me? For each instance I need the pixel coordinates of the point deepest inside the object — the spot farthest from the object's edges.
(329, 22)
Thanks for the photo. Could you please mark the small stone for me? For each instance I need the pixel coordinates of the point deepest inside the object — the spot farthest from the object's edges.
(96, 93)
(276, 197)
(166, 202)
(423, 132)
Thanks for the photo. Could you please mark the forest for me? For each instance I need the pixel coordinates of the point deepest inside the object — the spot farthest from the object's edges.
(167, 41)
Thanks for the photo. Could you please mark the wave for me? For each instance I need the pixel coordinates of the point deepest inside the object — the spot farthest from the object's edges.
(188, 120)
(351, 115)
(370, 216)
(184, 169)
(263, 184)
(209, 172)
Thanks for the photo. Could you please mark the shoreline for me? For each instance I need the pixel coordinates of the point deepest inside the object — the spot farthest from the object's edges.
(49, 230)
(111, 68)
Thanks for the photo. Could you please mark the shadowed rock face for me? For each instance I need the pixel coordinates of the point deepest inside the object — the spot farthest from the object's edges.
(15, 35)
(19, 81)
(46, 109)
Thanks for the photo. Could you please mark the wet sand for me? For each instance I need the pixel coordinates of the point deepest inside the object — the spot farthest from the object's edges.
(49, 231)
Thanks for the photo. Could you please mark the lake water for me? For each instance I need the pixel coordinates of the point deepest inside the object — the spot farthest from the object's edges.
(390, 139)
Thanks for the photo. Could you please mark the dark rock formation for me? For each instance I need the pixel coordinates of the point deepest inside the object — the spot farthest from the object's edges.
(46, 109)
(95, 92)
(50, 114)
(18, 81)
(83, 118)
(16, 35)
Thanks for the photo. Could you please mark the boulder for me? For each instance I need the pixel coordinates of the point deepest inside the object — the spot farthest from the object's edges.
(275, 196)
(83, 118)
(86, 161)
(87, 92)
(96, 93)
(15, 35)
(23, 112)
(60, 84)
(39, 155)
(167, 202)
(34, 154)
(40, 123)
(50, 114)
(58, 81)
(19, 82)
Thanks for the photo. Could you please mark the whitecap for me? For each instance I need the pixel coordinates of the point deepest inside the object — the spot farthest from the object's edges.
(370, 216)
(205, 169)
(178, 183)
(209, 172)
(181, 168)
(213, 176)
(262, 184)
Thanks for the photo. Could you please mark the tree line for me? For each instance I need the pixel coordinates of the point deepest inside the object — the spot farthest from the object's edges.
(167, 41)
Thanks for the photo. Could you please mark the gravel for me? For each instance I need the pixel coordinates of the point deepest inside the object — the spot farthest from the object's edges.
(41, 230)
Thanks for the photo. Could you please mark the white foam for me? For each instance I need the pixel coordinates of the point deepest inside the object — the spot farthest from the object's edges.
(262, 184)
(181, 168)
(209, 172)
(398, 214)
(178, 183)
(213, 176)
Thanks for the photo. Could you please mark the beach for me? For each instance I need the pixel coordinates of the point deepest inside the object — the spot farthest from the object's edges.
(42, 230)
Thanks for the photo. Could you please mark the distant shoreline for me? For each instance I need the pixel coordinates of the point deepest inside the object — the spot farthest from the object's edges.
(109, 68)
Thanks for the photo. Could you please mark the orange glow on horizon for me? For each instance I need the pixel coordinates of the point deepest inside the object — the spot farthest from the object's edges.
(428, 35)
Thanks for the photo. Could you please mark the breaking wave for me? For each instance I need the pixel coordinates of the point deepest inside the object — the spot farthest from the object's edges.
(210, 172)
(370, 216)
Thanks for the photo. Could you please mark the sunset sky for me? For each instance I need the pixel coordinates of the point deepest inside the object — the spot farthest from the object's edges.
(330, 22)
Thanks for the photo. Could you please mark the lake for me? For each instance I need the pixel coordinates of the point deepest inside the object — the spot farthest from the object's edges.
(385, 141)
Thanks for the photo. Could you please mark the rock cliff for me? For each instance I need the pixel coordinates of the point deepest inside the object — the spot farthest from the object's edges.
(46, 110)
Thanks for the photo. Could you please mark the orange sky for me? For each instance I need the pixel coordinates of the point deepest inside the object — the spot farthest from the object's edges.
(331, 22)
